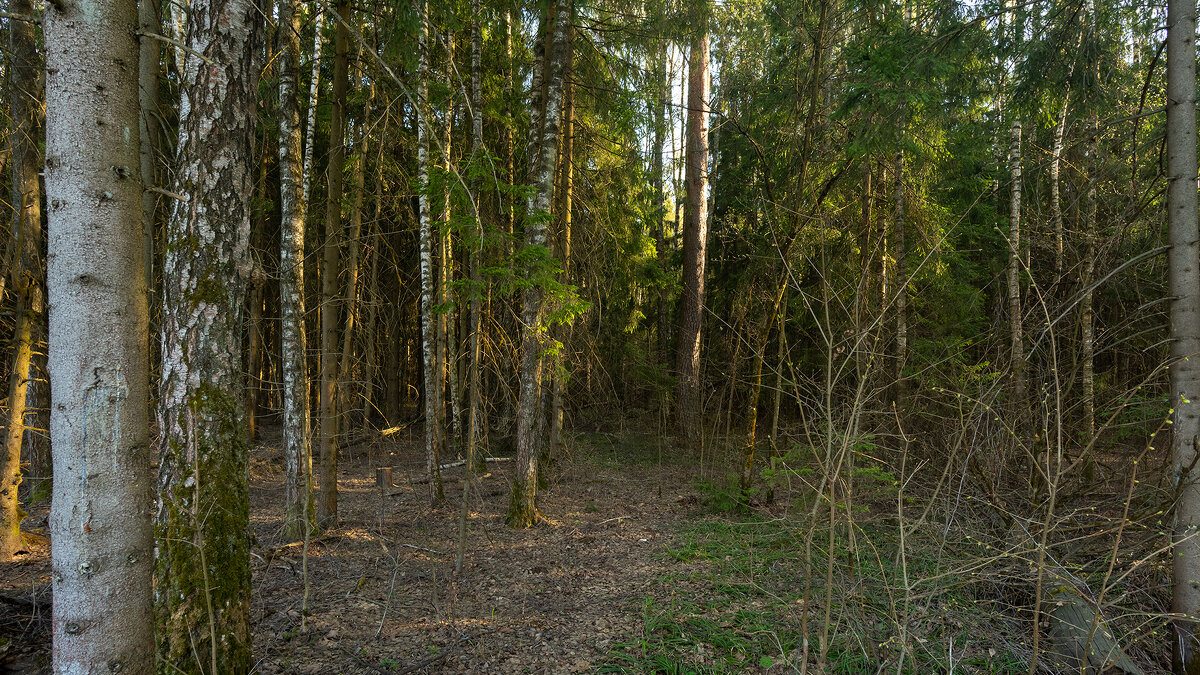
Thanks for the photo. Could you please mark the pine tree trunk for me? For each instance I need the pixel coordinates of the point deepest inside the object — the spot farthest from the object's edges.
(1014, 277)
(327, 439)
(254, 321)
(522, 510)
(202, 587)
(102, 546)
(695, 239)
(297, 453)
(351, 297)
(1184, 289)
(433, 382)
(149, 23)
(25, 94)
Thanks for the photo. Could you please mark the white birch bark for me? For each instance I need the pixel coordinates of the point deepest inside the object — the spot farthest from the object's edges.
(310, 132)
(523, 504)
(433, 383)
(297, 451)
(202, 585)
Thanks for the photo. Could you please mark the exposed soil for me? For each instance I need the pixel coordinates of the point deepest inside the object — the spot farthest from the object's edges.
(383, 593)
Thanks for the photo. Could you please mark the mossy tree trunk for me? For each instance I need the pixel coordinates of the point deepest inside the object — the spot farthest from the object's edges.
(102, 549)
(202, 590)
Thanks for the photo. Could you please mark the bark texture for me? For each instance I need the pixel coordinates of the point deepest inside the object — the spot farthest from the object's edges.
(1183, 262)
(297, 453)
(695, 240)
(433, 382)
(202, 590)
(100, 520)
(327, 440)
(522, 510)
(25, 95)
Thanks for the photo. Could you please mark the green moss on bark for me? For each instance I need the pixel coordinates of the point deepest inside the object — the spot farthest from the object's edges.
(203, 565)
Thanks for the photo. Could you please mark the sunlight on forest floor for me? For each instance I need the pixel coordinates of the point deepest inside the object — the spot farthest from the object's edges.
(640, 566)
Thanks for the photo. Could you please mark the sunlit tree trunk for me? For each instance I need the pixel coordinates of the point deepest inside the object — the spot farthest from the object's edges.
(327, 439)
(659, 102)
(433, 383)
(566, 187)
(522, 510)
(202, 586)
(1184, 289)
(102, 547)
(695, 240)
(25, 99)
(297, 453)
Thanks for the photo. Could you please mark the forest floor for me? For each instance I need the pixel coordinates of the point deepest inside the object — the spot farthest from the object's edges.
(644, 562)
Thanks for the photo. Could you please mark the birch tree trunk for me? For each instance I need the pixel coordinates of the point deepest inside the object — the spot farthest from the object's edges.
(25, 96)
(1184, 290)
(433, 383)
(102, 548)
(297, 453)
(1014, 277)
(695, 239)
(202, 589)
(314, 83)
(327, 439)
(522, 509)
(660, 195)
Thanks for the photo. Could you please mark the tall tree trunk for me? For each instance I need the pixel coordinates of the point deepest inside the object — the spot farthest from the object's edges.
(1056, 217)
(433, 382)
(310, 133)
(522, 509)
(102, 546)
(297, 453)
(1086, 316)
(1184, 290)
(695, 239)
(660, 195)
(566, 186)
(352, 292)
(1014, 277)
(25, 97)
(901, 273)
(447, 346)
(327, 439)
(202, 588)
(254, 322)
